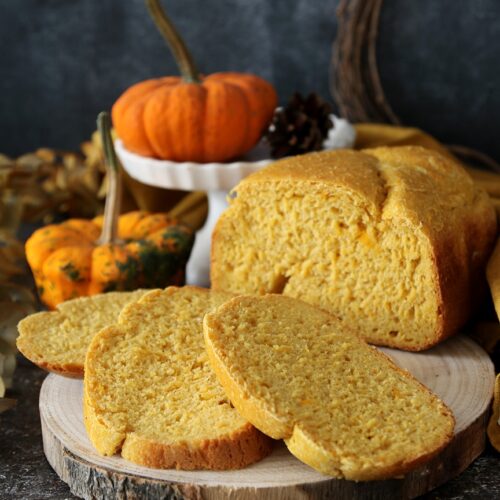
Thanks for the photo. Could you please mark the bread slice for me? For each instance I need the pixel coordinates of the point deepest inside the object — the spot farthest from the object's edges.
(57, 341)
(394, 241)
(341, 406)
(149, 390)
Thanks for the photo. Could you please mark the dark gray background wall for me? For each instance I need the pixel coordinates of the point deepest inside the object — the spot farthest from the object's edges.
(62, 61)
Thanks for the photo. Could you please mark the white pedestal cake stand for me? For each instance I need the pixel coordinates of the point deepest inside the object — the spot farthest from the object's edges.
(217, 179)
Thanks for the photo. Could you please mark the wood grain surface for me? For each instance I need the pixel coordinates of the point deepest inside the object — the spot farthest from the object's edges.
(458, 371)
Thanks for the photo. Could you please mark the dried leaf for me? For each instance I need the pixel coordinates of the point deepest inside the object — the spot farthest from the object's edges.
(30, 161)
(48, 182)
(103, 189)
(46, 154)
(494, 425)
(61, 180)
(11, 256)
(91, 179)
(16, 302)
(5, 161)
(71, 161)
(18, 294)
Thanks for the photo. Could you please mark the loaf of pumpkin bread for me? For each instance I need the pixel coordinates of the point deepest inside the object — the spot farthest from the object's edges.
(341, 406)
(57, 341)
(149, 391)
(393, 241)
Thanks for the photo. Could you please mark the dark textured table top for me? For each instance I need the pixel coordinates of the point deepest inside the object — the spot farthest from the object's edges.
(26, 474)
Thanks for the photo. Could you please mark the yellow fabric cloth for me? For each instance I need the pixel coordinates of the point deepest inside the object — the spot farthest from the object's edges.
(372, 135)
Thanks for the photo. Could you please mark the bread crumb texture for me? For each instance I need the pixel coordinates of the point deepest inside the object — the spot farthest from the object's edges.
(391, 240)
(342, 407)
(58, 340)
(149, 390)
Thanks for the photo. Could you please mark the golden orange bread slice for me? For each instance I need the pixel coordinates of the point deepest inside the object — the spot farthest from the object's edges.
(149, 391)
(341, 406)
(57, 341)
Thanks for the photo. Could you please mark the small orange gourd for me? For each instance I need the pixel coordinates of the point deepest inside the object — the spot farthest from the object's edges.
(85, 257)
(193, 118)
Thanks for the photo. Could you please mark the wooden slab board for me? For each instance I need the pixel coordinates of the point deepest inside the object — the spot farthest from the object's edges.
(458, 371)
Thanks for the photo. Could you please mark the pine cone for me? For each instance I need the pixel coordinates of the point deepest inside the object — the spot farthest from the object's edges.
(300, 127)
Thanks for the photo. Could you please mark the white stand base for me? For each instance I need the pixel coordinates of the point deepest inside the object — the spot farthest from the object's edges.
(198, 267)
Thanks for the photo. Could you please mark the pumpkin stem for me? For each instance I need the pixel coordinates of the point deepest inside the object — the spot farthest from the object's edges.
(113, 196)
(181, 53)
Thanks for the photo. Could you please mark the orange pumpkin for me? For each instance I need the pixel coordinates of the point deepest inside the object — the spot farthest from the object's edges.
(82, 257)
(193, 118)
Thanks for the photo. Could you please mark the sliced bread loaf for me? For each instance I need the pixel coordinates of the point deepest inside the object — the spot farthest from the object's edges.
(341, 406)
(149, 390)
(58, 340)
(393, 241)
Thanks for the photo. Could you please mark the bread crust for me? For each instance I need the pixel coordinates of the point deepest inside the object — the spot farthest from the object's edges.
(243, 401)
(454, 216)
(67, 370)
(461, 238)
(234, 451)
(459, 295)
(106, 440)
(304, 448)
